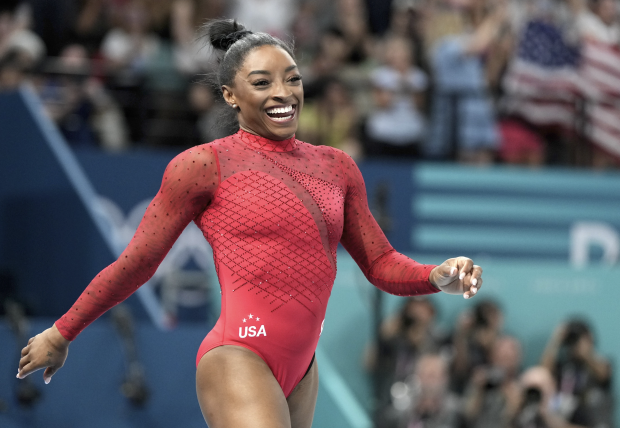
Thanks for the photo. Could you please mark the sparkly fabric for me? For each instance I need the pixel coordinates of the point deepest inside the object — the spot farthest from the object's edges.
(267, 239)
(264, 144)
(274, 212)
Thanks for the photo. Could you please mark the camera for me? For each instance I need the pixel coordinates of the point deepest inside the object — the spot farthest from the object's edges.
(532, 396)
(574, 331)
(495, 377)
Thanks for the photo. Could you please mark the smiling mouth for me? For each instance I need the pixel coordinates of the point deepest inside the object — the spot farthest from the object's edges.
(282, 113)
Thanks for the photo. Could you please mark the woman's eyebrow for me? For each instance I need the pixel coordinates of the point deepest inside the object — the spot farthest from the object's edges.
(286, 70)
(258, 72)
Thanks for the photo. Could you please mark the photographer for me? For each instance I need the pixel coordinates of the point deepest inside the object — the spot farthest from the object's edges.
(493, 394)
(583, 378)
(403, 339)
(425, 400)
(535, 408)
(473, 339)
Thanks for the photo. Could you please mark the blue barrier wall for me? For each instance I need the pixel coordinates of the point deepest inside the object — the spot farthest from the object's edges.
(548, 241)
(46, 235)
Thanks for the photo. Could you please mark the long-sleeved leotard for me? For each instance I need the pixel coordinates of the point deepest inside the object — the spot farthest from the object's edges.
(274, 212)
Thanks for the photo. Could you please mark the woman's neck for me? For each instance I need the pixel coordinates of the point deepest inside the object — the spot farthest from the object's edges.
(258, 142)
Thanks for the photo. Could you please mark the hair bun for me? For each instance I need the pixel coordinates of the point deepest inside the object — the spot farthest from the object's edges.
(223, 33)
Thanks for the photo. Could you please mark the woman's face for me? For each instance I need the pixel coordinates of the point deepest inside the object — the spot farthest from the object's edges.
(268, 92)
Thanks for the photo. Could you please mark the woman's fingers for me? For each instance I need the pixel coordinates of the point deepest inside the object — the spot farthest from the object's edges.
(29, 368)
(471, 275)
(465, 265)
(471, 288)
(23, 361)
(476, 277)
(48, 373)
(25, 350)
(458, 276)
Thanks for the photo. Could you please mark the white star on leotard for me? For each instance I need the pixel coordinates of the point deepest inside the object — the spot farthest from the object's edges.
(244, 320)
(251, 316)
(257, 319)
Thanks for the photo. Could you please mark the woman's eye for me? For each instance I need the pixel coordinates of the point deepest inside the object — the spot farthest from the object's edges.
(261, 83)
(295, 79)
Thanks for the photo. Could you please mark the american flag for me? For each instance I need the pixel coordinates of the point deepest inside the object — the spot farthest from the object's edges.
(550, 82)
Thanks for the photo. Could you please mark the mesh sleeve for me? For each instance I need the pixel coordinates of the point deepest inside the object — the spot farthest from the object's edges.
(362, 237)
(189, 182)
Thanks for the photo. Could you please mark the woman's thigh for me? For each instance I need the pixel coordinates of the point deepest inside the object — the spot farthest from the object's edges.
(302, 400)
(236, 388)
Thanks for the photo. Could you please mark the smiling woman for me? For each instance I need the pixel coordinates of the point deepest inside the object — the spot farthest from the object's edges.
(274, 210)
(267, 93)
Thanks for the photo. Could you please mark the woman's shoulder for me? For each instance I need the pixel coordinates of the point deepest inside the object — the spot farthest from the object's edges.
(203, 155)
(327, 152)
(331, 156)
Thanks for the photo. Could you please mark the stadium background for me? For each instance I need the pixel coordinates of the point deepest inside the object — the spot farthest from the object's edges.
(544, 226)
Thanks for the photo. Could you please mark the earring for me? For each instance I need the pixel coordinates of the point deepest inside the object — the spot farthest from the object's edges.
(234, 106)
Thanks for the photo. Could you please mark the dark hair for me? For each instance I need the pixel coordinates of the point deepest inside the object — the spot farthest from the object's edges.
(232, 42)
(576, 328)
(9, 6)
(483, 312)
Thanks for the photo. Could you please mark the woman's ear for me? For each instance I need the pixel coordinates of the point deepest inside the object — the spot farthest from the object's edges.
(228, 95)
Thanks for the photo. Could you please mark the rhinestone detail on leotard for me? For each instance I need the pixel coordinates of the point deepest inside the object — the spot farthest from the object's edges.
(260, 231)
(325, 195)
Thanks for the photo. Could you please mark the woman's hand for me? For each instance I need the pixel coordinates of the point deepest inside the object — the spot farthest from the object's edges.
(457, 276)
(47, 350)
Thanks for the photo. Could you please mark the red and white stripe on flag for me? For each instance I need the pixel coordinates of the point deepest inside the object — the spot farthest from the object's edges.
(600, 77)
(549, 96)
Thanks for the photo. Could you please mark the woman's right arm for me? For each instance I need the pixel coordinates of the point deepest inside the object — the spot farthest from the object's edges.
(188, 185)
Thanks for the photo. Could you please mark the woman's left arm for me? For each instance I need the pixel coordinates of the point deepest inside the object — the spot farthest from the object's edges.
(383, 266)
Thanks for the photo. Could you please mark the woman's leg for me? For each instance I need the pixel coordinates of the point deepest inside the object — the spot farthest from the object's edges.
(236, 388)
(302, 400)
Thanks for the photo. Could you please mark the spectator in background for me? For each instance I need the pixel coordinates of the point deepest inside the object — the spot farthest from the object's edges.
(190, 56)
(396, 126)
(520, 144)
(408, 19)
(129, 47)
(427, 401)
(92, 23)
(85, 113)
(473, 340)
(582, 376)
(597, 20)
(351, 20)
(159, 17)
(275, 17)
(12, 71)
(128, 51)
(24, 46)
(403, 339)
(327, 62)
(493, 395)
(536, 403)
(331, 119)
(463, 120)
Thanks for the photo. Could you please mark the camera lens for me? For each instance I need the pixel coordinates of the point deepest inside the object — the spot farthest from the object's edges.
(532, 395)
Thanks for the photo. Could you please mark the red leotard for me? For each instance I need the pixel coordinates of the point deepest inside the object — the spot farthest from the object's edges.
(274, 212)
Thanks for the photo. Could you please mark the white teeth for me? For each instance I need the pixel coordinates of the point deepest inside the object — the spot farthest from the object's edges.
(278, 110)
(281, 119)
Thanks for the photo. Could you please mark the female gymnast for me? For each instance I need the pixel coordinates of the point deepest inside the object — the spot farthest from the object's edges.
(274, 210)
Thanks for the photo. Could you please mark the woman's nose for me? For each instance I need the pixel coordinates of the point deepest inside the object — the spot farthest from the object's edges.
(281, 91)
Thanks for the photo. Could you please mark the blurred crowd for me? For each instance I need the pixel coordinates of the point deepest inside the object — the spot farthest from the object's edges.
(418, 79)
(474, 376)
